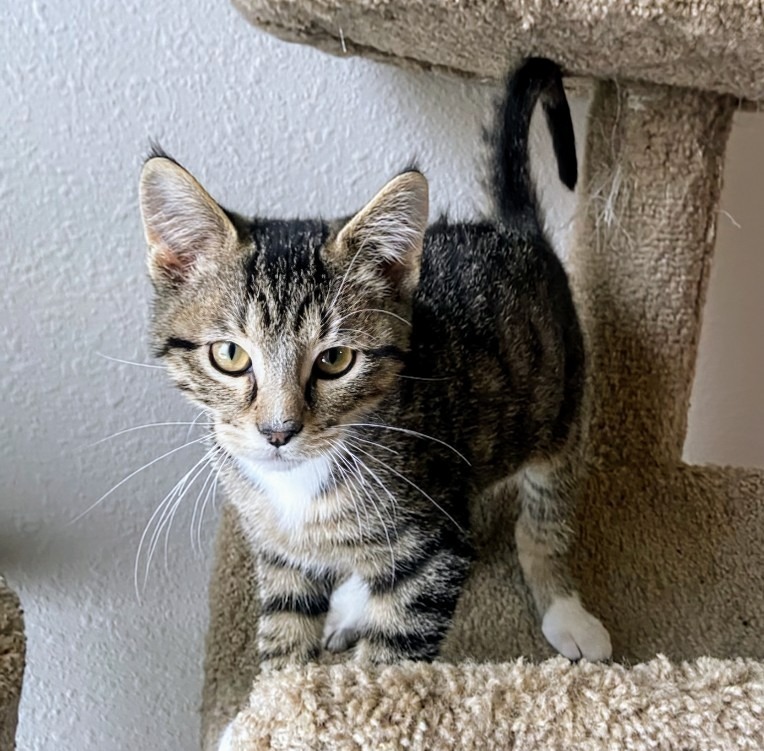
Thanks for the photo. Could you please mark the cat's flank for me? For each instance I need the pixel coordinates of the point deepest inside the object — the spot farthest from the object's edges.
(367, 378)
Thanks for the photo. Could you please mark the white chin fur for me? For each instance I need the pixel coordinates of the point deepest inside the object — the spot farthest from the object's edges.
(574, 632)
(290, 489)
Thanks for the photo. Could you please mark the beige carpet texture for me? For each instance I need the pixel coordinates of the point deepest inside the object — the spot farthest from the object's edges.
(717, 45)
(670, 556)
(12, 651)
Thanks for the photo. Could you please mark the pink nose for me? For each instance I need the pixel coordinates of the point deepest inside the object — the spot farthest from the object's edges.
(280, 434)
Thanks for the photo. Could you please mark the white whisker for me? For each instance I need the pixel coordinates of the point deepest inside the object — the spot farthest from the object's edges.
(195, 420)
(141, 427)
(376, 509)
(362, 485)
(130, 362)
(160, 509)
(413, 485)
(393, 514)
(133, 474)
(374, 310)
(228, 460)
(349, 485)
(211, 456)
(407, 431)
(378, 445)
(423, 378)
(207, 483)
(210, 494)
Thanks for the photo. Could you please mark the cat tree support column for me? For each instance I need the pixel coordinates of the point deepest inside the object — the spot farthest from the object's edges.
(652, 179)
(665, 536)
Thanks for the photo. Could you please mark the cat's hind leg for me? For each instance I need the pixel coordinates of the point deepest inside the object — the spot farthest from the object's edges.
(543, 533)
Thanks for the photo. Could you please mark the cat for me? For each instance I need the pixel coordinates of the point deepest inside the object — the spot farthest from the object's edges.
(368, 377)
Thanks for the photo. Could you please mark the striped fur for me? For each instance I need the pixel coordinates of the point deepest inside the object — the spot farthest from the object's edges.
(467, 374)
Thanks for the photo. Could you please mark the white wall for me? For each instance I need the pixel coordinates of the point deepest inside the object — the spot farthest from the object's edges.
(269, 128)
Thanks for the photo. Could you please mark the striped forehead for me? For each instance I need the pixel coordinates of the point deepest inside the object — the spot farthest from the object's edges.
(285, 276)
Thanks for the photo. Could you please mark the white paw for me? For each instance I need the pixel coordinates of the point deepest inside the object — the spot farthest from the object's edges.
(346, 611)
(574, 632)
(226, 740)
(340, 640)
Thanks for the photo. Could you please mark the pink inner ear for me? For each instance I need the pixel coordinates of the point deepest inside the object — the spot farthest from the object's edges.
(173, 265)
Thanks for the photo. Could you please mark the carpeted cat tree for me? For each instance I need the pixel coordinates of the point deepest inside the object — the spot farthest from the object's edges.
(671, 556)
(12, 650)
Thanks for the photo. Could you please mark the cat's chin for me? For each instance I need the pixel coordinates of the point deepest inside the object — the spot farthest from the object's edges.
(275, 462)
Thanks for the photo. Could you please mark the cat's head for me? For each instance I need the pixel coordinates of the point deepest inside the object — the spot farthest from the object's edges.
(284, 331)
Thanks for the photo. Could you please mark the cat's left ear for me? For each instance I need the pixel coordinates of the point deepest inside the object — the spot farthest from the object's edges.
(383, 241)
(186, 230)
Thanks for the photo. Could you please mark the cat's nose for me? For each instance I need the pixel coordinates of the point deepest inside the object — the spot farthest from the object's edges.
(281, 433)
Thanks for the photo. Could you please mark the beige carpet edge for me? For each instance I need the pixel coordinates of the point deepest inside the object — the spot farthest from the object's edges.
(705, 703)
(12, 657)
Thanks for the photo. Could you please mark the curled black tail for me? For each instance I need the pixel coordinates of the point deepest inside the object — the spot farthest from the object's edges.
(513, 191)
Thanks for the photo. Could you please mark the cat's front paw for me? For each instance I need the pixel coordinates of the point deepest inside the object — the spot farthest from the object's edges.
(340, 640)
(574, 632)
(346, 608)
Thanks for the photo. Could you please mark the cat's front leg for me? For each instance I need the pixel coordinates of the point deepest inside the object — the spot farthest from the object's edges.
(399, 614)
(291, 608)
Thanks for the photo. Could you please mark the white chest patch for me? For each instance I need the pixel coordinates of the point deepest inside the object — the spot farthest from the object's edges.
(291, 492)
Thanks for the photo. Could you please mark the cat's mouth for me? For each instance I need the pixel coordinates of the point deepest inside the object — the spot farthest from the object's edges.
(274, 461)
(277, 460)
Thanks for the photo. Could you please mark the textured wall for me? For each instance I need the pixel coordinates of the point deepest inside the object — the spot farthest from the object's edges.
(268, 127)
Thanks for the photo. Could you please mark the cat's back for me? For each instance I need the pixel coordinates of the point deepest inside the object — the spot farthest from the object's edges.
(479, 275)
(496, 337)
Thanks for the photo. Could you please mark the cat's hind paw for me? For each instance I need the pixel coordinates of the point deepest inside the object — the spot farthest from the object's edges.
(574, 632)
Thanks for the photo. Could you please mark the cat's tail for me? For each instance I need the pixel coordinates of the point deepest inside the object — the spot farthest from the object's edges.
(513, 192)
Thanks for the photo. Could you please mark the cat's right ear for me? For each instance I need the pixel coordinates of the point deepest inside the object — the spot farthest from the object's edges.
(185, 228)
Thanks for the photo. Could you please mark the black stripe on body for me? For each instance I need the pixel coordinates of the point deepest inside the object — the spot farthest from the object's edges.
(275, 560)
(405, 568)
(311, 604)
(435, 602)
(412, 644)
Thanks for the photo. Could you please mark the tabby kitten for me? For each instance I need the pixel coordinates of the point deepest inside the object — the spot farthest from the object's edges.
(367, 378)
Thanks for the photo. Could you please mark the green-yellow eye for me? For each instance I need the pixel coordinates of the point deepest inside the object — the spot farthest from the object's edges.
(334, 362)
(229, 358)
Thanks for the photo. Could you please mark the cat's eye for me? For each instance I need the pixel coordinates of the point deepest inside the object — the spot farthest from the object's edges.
(334, 362)
(229, 358)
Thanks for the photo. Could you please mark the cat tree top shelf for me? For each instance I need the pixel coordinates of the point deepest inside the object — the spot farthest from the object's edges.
(717, 45)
